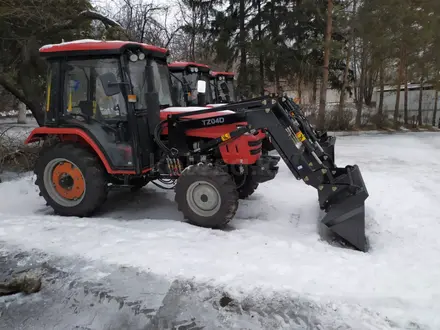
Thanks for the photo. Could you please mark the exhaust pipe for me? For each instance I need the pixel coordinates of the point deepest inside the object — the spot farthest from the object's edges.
(344, 204)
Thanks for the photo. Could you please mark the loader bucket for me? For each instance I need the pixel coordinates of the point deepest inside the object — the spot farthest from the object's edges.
(343, 202)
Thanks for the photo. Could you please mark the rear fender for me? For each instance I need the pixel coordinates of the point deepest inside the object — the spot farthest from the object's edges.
(78, 136)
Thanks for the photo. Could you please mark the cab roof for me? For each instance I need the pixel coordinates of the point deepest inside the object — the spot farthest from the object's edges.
(222, 73)
(180, 66)
(98, 47)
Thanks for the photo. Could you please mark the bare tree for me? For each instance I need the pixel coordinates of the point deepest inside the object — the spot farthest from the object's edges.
(29, 66)
(325, 71)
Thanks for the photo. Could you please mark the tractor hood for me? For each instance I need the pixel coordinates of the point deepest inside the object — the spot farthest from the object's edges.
(213, 105)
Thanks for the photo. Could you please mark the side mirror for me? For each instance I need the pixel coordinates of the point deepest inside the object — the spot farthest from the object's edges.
(224, 87)
(110, 83)
(201, 86)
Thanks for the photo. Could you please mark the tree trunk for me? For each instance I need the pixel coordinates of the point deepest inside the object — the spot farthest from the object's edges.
(324, 84)
(434, 114)
(382, 91)
(193, 33)
(242, 78)
(419, 114)
(361, 93)
(369, 85)
(344, 87)
(314, 91)
(21, 113)
(405, 100)
(398, 86)
(260, 38)
(34, 106)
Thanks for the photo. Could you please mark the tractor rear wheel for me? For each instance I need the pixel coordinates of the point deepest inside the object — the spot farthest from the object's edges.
(207, 196)
(71, 180)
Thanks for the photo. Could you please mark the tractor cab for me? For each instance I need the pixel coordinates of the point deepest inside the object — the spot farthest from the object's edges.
(112, 92)
(224, 89)
(186, 77)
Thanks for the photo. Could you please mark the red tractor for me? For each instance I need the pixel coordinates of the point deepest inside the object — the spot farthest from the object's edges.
(109, 127)
(184, 77)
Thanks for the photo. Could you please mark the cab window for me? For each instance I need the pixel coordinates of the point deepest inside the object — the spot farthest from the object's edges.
(82, 86)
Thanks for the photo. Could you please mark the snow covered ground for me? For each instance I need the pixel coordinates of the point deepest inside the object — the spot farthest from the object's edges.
(15, 133)
(272, 248)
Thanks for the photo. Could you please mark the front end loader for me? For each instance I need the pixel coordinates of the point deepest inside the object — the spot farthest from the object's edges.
(110, 126)
(341, 191)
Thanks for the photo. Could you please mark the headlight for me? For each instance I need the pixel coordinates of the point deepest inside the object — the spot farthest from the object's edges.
(141, 56)
(132, 56)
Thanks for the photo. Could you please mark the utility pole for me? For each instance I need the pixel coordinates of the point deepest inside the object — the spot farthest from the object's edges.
(324, 84)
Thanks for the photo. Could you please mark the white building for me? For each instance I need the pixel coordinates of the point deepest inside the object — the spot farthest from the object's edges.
(428, 101)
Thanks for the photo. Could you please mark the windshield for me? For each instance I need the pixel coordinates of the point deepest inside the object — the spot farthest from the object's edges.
(191, 79)
(230, 83)
(176, 79)
(161, 80)
(222, 96)
(208, 93)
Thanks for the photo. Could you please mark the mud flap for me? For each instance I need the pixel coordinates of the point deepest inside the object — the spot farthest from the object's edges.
(344, 204)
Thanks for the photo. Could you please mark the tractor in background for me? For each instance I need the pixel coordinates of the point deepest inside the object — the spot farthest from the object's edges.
(224, 87)
(185, 77)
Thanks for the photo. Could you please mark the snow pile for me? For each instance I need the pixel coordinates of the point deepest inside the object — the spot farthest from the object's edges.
(272, 246)
(13, 113)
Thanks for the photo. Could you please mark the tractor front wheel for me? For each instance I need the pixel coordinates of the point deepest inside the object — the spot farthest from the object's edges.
(247, 187)
(71, 180)
(207, 196)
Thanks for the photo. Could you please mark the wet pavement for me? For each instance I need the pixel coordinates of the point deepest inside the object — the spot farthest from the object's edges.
(83, 295)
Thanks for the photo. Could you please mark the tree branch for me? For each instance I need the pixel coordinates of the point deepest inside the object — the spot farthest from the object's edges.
(83, 16)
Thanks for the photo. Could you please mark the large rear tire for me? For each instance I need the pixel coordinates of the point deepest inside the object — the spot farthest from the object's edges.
(71, 179)
(207, 196)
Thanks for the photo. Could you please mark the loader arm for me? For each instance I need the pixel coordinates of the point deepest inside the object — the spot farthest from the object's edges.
(341, 191)
(321, 140)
